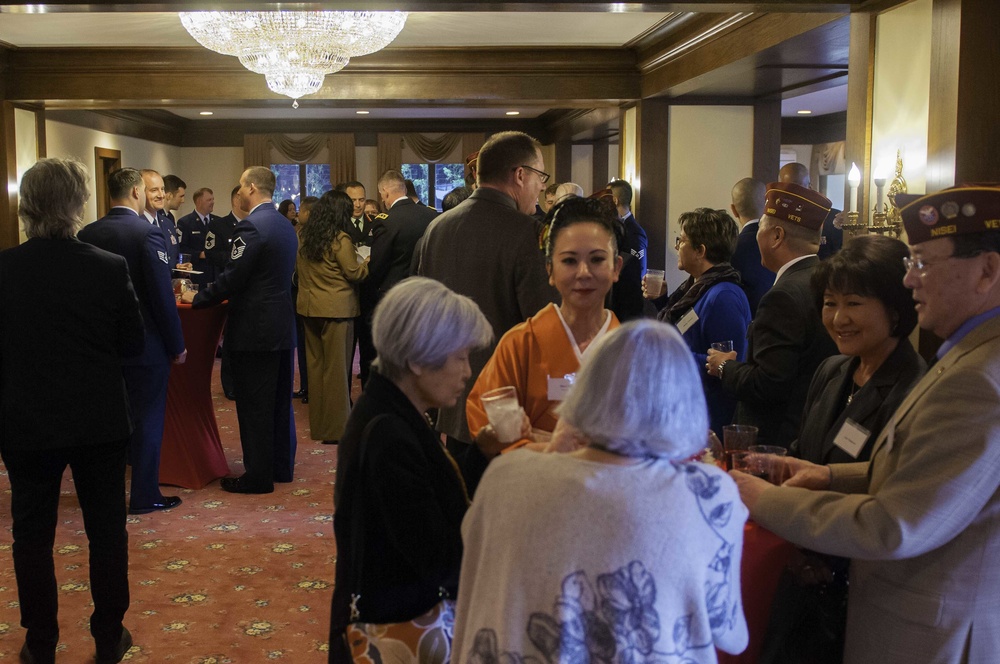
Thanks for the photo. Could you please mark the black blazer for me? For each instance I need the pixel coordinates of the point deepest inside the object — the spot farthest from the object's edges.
(68, 315)
(872, 406)
(413, 504)
(787, 343)
(257, 281)
(756, 278)
(362, 237)
(394, 238)
(144, 248)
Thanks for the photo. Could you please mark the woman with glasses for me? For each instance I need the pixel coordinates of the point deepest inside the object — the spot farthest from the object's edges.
(540, 357)
(869, 314)
(711, 306)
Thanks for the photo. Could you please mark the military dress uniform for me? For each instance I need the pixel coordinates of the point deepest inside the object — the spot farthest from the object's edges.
(125, 233)
(260, 335)
(165, 221)
(192, 232)
(218, 247)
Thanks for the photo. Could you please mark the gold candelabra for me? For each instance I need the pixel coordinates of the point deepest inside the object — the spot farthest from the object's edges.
(887, 221)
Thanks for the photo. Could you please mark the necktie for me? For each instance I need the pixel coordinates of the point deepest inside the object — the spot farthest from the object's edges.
(357, 222)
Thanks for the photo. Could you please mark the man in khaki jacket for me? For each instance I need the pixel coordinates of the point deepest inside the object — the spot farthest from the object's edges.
(921, 520)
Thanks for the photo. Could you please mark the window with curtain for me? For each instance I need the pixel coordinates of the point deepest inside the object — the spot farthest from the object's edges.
(296, 181)
(437, 178)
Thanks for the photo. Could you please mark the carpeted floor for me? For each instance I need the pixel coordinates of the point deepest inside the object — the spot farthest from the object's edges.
(222, 578)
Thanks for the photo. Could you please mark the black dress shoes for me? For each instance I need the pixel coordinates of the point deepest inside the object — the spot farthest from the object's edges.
(230, 395)
(330, 442)
(300, 394)
(118, 652)
(239, 485)
(167, 503)
(28, 657)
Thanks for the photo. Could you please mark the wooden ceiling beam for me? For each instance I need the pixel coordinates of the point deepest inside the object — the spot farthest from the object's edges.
(183, 76)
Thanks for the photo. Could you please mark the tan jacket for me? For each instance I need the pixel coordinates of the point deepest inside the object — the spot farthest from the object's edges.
(922, 523)
(327, 288)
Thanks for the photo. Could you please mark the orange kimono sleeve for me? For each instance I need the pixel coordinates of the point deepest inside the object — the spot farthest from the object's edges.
(505, 367)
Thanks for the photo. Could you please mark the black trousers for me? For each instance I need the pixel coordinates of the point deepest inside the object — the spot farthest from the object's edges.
(226, 368)
(300, 348)
(366, 349)
(99, 478)
(263, 384)
(147, 395)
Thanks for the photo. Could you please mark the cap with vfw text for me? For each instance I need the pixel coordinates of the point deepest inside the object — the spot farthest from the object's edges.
(963, 210)
(800, 205)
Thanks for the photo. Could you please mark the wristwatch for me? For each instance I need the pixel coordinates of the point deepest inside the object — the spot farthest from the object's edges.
(721, 367)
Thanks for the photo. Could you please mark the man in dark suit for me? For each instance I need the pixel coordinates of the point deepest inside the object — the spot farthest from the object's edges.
(787, 338)
(192, 230)
(747, 206)
(125, 233)
(360, 229)
(487, 249)
(63, 403)
(218, 247)
(831, 238)
(154, 214)
(394, 236)
(626, 293)
(260, 334)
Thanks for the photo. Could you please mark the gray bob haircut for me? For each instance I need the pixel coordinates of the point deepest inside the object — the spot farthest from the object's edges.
(52, 195)
(421, 321)
(638, 394)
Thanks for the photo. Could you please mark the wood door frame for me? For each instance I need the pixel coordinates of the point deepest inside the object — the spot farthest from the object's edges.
(104, 157)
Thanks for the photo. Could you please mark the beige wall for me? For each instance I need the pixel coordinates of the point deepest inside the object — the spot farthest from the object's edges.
(219, 169)
(711, 148)
(902, 93)
(583, 168)
(25, 148)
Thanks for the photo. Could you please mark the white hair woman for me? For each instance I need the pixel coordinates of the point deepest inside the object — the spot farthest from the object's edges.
(399, 496)
(639, 550)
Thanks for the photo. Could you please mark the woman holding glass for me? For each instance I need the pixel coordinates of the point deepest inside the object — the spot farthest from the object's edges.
(328, 270)
(399, 496)
(541, 356)
(575, 558)
(869, 313)
(711, 306)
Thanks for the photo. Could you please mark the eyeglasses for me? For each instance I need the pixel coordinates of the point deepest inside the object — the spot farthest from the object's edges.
(542, 175)
(678, 242)
(920, 265)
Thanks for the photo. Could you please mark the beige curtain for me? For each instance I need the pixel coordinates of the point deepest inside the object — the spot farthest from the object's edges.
(389, 153)
(256, 150)
(342, 162)
(299, 150)
(828, 159)
(432, 150)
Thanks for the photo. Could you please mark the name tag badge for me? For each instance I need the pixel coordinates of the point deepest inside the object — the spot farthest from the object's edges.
(852, 438)
(686, 321)
(559, 387)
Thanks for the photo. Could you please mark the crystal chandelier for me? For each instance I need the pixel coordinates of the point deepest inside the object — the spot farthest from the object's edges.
(294, 50)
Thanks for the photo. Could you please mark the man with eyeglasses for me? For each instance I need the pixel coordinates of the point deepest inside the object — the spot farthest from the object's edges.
(487, 248)
(921, 520)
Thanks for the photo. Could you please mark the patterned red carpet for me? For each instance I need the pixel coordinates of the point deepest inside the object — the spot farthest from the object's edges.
(222, 578)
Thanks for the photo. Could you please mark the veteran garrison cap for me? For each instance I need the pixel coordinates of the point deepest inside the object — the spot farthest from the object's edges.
(800, 205)
(962, 210)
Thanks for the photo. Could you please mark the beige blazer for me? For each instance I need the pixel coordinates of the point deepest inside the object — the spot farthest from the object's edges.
(326, 288)
(921, 520)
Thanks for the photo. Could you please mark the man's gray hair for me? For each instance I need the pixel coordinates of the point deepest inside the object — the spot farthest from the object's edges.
(51, 198)
(639, 394)
(421, 322)
(392, 181)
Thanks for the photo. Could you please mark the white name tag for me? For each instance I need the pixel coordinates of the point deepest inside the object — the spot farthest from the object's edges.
(559, 387)
(686, 321)
(852, 438)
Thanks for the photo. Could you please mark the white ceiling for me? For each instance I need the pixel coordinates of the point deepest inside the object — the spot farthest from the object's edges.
(821, 102)
(423, 29)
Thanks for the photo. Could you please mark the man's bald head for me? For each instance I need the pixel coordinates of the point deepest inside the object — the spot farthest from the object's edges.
(795, 173)
(748, 199)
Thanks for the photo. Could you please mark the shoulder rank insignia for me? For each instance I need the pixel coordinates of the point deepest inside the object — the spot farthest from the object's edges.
(239, 246)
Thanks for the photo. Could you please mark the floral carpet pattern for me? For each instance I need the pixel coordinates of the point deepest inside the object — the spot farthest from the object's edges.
(223, 578)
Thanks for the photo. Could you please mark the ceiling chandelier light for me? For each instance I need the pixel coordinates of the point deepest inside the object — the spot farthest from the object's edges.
(294, 50)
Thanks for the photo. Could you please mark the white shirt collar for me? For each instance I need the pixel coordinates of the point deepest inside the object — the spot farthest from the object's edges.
(399, 199)
(752, 221)
(790, 263)
(269, 201)
(150, 218)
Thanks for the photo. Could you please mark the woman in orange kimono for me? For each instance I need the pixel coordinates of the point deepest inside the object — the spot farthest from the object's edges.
(540, 357)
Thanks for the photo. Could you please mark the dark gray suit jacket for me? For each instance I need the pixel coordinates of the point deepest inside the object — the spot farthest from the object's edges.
(486, 249)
